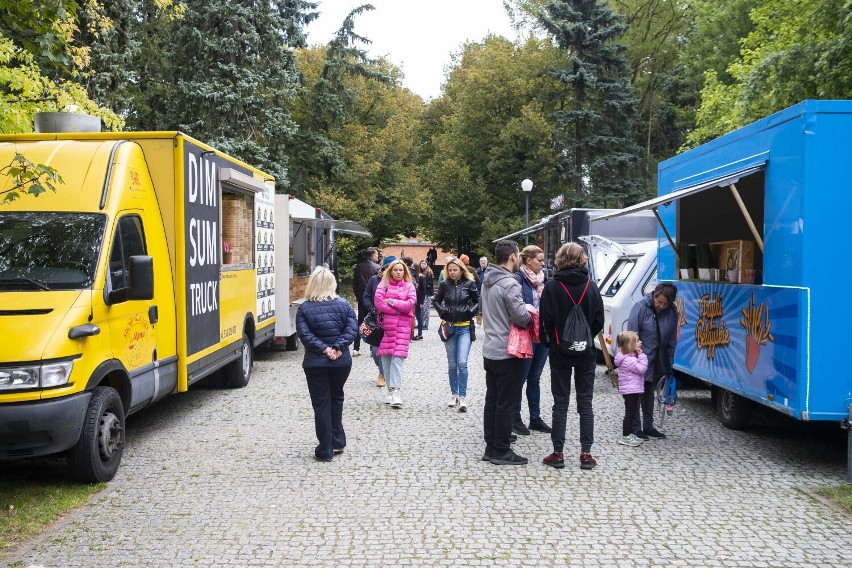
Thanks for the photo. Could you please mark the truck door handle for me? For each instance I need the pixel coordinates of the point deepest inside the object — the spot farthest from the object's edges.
(153, 315)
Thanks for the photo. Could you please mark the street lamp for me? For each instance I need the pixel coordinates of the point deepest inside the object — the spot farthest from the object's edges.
(527, 186)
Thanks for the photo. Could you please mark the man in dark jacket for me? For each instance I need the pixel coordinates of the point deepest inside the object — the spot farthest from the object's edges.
(571, 278)
(363, 271)
(502, 306)
(655, 319)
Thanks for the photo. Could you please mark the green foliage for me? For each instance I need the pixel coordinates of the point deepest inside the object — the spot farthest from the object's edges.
(235, 80)
(795, 51)
(488, 132)
(32, 498)
(28, 178)
(593, 128)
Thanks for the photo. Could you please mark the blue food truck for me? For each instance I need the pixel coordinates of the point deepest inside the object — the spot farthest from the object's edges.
(750, 225)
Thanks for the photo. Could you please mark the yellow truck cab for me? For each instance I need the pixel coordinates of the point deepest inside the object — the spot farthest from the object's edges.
(150, 268)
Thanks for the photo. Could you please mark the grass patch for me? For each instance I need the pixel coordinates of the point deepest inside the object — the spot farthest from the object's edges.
(34, 496)
(840, 494)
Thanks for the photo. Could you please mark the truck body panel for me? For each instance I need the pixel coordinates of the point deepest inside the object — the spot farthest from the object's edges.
(66, 293)
(769, 337)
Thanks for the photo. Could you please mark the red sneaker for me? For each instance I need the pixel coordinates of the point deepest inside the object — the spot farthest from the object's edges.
(587, 461)
(554, 460)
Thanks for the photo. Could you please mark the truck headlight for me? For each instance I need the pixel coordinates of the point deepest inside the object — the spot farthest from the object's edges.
(35, 376)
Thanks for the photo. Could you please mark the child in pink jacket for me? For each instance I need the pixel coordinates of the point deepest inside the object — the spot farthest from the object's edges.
(396, 299)
(632, 364)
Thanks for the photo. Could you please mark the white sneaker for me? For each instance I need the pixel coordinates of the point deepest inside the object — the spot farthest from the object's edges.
(389, 397)
(454, 400)
(356, 353)
(630, 440)
(462, 404)
(396, 401)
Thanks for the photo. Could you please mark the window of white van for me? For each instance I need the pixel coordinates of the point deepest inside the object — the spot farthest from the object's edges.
(129, 241)
(650, 284)
(616, 277)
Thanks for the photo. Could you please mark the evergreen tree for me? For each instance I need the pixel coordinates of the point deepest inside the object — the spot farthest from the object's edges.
(595, 124)
(326, 103)
(236, 78)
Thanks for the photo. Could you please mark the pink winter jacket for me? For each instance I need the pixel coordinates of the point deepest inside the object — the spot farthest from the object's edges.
(631, 372)
(397, 322)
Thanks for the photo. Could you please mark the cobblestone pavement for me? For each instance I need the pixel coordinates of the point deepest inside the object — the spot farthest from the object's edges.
(227, 478)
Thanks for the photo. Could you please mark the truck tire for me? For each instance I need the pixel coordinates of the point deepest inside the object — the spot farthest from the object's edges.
(238, 372)
(291, 342)
(734, 410)
(96, 456)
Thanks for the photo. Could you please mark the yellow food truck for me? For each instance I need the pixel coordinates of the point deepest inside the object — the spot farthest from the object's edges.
(149, 268)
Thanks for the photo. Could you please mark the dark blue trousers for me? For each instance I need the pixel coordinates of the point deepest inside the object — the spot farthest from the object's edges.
(326, 387)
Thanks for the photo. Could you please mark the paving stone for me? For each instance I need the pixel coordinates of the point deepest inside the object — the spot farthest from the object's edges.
(227, 478)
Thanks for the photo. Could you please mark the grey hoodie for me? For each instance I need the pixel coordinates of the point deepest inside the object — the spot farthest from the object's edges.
(502, 305)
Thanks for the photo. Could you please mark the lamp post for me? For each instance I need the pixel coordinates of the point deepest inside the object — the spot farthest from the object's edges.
(527, 186)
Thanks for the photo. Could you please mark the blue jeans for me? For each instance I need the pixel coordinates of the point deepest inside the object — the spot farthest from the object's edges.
(393, 371)
(458, 348)
(532, 374)
(418, 311)
(376, 359)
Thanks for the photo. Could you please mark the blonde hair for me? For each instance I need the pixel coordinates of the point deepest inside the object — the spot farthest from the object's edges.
(406, 275)
(321, 285)
(465, 273)
(571, 255)
(529, 252)
(627, 341)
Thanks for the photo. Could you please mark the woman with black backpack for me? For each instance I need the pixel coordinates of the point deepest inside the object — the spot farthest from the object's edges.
(572, 313)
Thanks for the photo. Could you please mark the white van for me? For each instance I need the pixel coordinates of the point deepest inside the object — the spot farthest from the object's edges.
(633, 275)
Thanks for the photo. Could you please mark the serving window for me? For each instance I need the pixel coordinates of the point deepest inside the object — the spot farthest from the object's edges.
(237, 226)
(715, 240)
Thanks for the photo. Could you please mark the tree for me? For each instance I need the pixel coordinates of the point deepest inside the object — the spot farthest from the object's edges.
(595, 123)
(486, 133)
(37, 63)
(238, 100)
(795, 51)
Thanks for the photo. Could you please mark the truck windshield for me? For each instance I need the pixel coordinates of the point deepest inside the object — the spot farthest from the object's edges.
(616, 277)
(49, 251)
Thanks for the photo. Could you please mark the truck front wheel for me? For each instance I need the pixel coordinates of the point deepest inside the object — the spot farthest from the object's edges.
(96, 456)
(238, 371)
(734, 410)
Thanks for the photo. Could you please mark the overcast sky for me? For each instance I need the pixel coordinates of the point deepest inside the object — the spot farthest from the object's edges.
(417, 36)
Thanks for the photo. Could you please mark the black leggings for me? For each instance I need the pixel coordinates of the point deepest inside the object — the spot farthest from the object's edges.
(631, 405)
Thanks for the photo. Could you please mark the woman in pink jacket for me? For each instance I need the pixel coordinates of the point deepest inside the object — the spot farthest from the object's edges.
(396, 299)
(632, 364)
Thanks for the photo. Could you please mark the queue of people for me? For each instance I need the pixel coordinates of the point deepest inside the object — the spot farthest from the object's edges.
(526, 320)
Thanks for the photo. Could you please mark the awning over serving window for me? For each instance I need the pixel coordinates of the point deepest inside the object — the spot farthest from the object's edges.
(545, 221)
(686, 191)
(339, 226)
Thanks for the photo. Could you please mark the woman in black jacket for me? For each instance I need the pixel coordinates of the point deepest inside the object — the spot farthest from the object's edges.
(571, 285)
(424, 297)
(457, 302)
(326, 326)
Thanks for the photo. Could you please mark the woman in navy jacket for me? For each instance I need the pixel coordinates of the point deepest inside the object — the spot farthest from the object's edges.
(326, 326)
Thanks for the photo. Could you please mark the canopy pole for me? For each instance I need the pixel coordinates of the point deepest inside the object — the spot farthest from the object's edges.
(665, 231)
(747, 216)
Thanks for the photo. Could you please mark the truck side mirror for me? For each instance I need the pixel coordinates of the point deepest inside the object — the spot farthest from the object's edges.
(141, 269)
(141, 278)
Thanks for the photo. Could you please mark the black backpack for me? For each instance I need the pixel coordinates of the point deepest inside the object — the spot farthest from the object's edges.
(576, 335)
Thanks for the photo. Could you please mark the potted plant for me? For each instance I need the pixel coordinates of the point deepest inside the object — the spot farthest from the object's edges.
(685, 261)
(704, 257)
(227, 252)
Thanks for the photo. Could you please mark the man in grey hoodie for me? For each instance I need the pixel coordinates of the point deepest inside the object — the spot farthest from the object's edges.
(502, 305)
